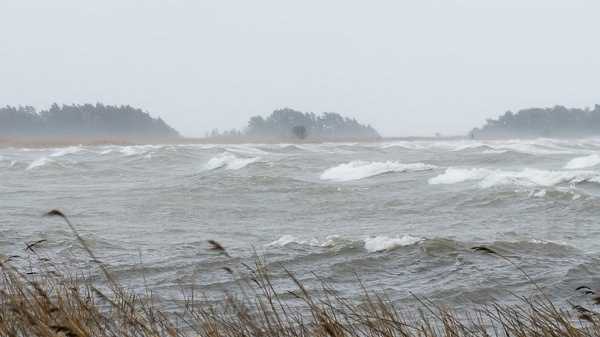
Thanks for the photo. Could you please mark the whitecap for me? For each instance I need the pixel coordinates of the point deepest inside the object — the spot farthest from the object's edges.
(563, 244)
(583, 162)
(539, 194)
(333, 240)
(290, 239)
(330, 241)
(360, 169)
(229, 162)
(494, 151)
(246, 149)
(65, 151)
(130, 150)
(384, 243)
(455, 176)
(528, 177)
(39, 163)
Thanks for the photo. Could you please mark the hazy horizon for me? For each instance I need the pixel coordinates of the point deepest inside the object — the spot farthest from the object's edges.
(406, 68)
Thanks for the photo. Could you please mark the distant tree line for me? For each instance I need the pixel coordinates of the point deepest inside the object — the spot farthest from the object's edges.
(82, 121)
(288, 123)
(536, 122)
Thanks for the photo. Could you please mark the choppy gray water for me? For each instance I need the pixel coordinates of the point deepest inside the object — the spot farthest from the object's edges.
(400, 216)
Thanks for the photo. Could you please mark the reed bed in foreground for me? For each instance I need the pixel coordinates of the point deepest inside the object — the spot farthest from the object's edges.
(47, 301)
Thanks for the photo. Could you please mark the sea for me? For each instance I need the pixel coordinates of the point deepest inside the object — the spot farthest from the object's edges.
(398, 219)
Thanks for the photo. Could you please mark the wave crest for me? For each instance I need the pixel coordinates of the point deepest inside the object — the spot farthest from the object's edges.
(359, 169)
(330, 241)
(583, 162)
(528, 177)
(229, 161)
(384, 243)
(39, 163)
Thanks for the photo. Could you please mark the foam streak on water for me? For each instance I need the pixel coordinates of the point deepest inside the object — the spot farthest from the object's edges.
(402, 216)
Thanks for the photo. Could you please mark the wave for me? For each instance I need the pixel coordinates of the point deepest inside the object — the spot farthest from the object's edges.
(384, 243)
(229, 162)
(245, 149)
(39, 163)
(371, 244)
(290, 239)
(65, 151)
(360, 169)
(131, 150)
(528, 177)
(330, 241)
(540, 146)
(583, 162)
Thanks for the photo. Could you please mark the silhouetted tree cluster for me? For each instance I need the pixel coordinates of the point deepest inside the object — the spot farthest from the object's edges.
(291, 123)
(82, 121)
(233, 133)
(550, 122)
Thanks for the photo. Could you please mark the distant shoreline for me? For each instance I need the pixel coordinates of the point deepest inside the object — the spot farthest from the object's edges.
(53, 143)
(46, 143)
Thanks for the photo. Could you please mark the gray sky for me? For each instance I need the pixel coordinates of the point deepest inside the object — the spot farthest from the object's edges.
(406, 67)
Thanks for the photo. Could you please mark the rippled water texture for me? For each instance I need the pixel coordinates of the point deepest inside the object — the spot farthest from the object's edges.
(399, 216)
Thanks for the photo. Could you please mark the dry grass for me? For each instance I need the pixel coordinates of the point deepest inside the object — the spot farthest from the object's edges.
(46, 301)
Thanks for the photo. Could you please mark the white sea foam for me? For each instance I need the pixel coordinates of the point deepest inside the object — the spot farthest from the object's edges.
(290, 239)
(65, 151)
(494, 151)
(583, 162)
(539, 194)
(383, 243)
(330, 241)
(130, 150)
(39, 163)
(360, 169)
(455, 176)
(333, 240)
(229, 161)
(528, 177)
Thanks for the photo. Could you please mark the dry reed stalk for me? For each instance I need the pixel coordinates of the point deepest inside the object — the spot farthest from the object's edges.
(44, 302)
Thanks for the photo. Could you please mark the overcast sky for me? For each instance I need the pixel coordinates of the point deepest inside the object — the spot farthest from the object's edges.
(412, 67)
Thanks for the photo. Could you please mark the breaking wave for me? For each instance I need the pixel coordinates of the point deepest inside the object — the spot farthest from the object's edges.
(39, 163)
(330, 241)
(131, 150)
(583, 162)
(360, 169)
(384, 243)
(528, 177)
(65, 151)
(229, 162)
(371, 244)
